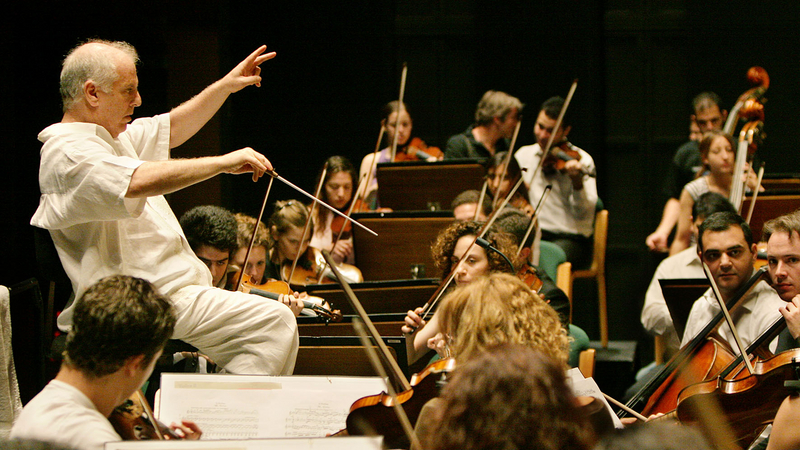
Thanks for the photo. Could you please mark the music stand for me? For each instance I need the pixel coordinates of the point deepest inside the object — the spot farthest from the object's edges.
(426, 186)
(680, 294)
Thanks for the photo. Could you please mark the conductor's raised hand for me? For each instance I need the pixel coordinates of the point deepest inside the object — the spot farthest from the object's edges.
(246, 160)
(248, 72)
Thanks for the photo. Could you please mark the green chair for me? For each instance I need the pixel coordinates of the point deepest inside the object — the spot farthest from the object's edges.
(550, 257)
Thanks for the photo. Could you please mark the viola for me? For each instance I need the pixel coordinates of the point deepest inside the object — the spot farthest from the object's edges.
(134, 421)
(374, 414)
(416, 150)
(273, 289)
(749, 403)
(528, 274)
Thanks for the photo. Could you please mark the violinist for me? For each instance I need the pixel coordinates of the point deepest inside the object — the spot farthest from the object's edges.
(567, 217)
(256, 264)
(120, 327)
(499, 188)
(408, 148)
(725, 244)
(450, 245)
(211, 232)
(465, 204)
(783, 256)
(496, 118)
(717, 152)
(686, 164)
(655, 315)
(500, 310)
(337, 190)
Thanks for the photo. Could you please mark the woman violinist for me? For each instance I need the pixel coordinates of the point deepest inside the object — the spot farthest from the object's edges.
(717, 152)
(258, 266)
(522, 349)
(408, 148)
(449, 247)
(337, 190)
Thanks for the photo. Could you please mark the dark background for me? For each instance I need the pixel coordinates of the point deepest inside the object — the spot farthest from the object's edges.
(639, 63)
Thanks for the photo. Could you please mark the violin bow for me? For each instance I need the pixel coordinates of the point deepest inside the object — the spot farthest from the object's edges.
(361, 184)
(374, 360)
(726, 313)
(509, 155)
(755, 193)
(374, 164)
(149, 413)
(253, 238)
(399, 109)
(362, 313)
(556, 127)
(308, 220)
(535, 217)
(481, 197)
(430, 304)
(274, 174)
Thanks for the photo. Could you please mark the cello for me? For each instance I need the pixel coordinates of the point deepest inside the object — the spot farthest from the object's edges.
(705, 356)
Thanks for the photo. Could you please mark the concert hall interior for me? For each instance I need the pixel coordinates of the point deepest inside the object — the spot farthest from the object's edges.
(638, 66)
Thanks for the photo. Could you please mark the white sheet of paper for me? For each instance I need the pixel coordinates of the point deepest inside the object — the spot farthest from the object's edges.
(334, 443)
(247, 407)
(588, 387)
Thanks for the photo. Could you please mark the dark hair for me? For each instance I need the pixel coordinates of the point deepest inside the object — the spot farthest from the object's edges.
(391, 107)
(117, 318)
(722, 221)
(709, 203)
(445, 245)
(787, 223)
(705, 100)
(335, 164)
(510, 397)
(552, 108)
(210, 225)
(515, 222)
(472, 196)
(499, 159)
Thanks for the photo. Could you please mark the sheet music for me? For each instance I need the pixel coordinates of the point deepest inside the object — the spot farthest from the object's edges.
(247, 407)
(588, 387)
(334, 443)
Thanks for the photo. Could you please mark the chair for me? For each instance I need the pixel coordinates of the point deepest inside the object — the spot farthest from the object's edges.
(564, 282)
(551, 256)
(586, 363)
(598, 270)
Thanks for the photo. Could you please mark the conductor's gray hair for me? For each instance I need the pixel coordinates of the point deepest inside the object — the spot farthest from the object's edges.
(93, 60)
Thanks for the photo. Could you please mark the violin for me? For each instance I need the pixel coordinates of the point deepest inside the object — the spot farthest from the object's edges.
(342, 228)
(311, 270)
(528, 274)
(273, 289)
(558, 157)
(416, 150)
(134, 421)
(374, 414)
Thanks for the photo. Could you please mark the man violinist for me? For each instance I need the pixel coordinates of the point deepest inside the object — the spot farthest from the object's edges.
(685, 164)
(725, 244)
(567, 217)
(783, 256)
(496, 118)
(120, 326)
(103, 180)
(211, 232)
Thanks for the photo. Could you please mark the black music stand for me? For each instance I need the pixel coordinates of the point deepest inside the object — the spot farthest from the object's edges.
(680, 294)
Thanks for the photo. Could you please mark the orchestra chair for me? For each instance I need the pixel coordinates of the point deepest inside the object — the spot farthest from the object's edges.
(659, 349)
(598, 270)
(578, 343)
(586, 363)
(564, 282)
(551, 256)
